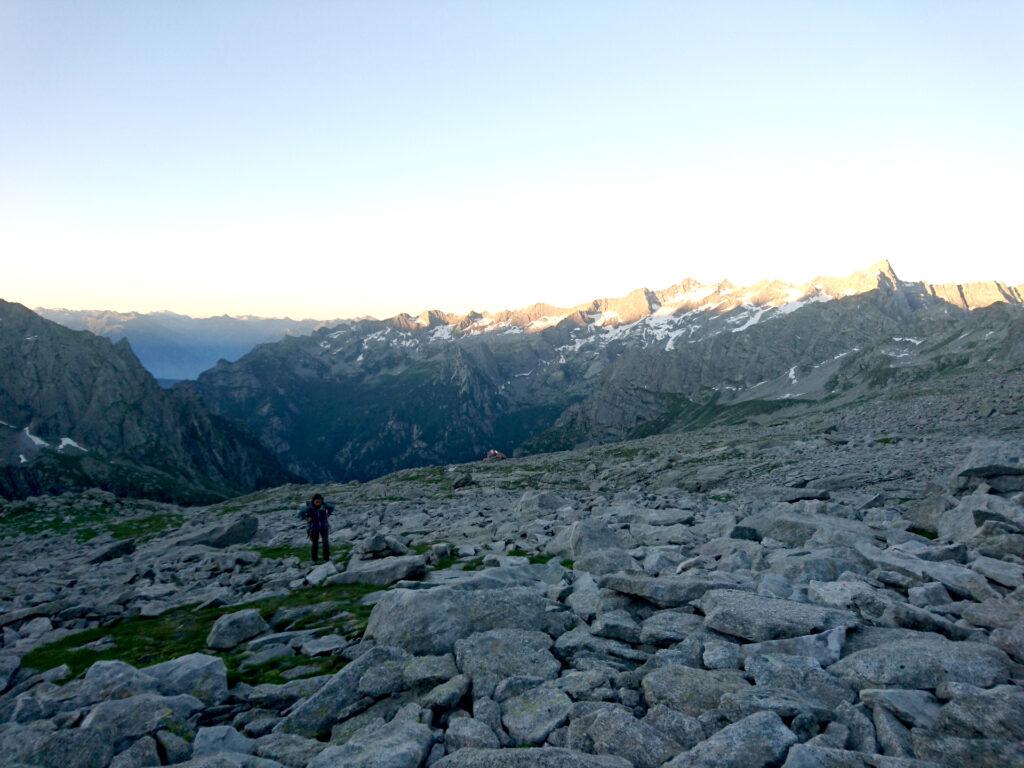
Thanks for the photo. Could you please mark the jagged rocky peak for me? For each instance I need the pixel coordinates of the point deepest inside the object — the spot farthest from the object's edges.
(691, 295)
(878, 275)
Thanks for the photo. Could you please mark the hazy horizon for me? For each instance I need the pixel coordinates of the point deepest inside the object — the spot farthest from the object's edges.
(334, 160)
(414, 313)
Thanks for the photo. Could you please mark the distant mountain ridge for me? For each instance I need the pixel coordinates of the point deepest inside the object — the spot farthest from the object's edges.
(174, 346)
(78, 411)
(365, 397)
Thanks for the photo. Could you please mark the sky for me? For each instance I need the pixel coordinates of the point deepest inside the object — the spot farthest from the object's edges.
(339, 159)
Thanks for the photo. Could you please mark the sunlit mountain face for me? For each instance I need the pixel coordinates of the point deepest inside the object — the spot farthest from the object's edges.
(363, 397)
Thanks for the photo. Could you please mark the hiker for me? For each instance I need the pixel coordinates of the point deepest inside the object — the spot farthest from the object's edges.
(315, 513)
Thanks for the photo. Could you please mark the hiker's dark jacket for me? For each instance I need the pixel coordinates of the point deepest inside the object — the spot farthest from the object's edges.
(316, 519)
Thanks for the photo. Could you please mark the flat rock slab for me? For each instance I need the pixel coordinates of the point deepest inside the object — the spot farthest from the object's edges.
(382, 572)
(431, 621)
(925, 664)
(667, 591)
(528, 758)
(758, 618)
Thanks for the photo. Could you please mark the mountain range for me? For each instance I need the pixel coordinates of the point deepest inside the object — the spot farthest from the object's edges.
(356, 399)
(77, 410)
(361, 398)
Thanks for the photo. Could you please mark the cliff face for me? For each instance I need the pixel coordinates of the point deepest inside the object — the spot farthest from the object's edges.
(79, 411)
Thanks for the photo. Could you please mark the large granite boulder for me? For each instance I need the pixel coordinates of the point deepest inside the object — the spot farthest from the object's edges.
(40, 748)
(382, 572)
(689, 690)
(123, 721)
(925, 664)
(756, 741)
(399, 744)
(233, 629)
(530, 717)
(1000, 465)
(431, 621)
(196, 674)
(758, 618)
(339, 698)
(490, 657)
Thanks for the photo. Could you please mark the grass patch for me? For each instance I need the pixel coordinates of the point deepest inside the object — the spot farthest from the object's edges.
(568, 564)
(442, 563)
(476, 564)
(144, 527)
(87, 525)
(273, 672)
(339, 554)
(284, 552)
(143, 640)
(445, 562)
(536, 559)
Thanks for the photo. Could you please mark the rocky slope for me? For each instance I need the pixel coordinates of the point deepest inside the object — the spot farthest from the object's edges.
(174, 347)
(363, 398)
(77, 411)
(840, 584)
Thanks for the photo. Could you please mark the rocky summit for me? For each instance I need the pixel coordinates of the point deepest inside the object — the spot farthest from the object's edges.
(840, 584)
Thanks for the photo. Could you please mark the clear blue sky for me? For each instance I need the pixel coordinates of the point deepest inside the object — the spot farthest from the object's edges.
(391, 155)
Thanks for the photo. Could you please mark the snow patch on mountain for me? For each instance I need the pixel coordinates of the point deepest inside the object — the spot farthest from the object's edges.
(36, 440)
(754, 319)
